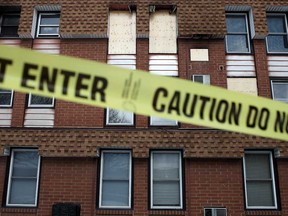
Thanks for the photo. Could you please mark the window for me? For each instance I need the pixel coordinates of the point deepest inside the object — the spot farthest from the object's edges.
(48, 25)
(166, 180)
(280, 90)
(204, 79)
(115, 179)
(9, 25)
(215, 212)
(6, 98)
(23, 178)
(39, 101)
(277, 39)
(157, 121)
(115, 116)
(237, 38)
(119, 117)
(259, 181)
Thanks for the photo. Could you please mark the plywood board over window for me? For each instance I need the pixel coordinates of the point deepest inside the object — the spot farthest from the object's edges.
(163, 32)
(243, 85)
(122, 32)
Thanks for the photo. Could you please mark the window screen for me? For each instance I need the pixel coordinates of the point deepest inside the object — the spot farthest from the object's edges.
(115, 186)
(166, 177)
(259, 180)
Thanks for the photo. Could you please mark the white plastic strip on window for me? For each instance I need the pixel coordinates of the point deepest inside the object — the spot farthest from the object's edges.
(6, 113)
(11, 42)
(5, 117)
(278, 66)
(39, 118)
(165, 65)
(114, 116)
(50, 46)
(240, 65)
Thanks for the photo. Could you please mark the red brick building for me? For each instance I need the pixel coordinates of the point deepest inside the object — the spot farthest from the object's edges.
(110, 162)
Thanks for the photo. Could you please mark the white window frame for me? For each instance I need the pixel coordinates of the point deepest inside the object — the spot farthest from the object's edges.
(286, 28)
(40, 105)
(120, 123)
(273, 181)
(11, 99)
(10, 175)
(39, 26)
(175, 123)
(214, 210)
(206, 78)
(238, 33)
(152, 206)
(130, 179)
(272, 89)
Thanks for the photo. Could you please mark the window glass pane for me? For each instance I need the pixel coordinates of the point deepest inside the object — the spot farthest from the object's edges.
(25, 164)
(221, 212)
(198, 79)
(11, 20)
(115, 193)
(166, 166)
(4, 91)
(237, 43)
(166, 193)
(50, 19)
(162, 121)
(5, 98)
(116, 166)
(39, 100)
(208, 212)
(277, 43)
(260, 194)
(280, 91)
(9, 31)
(257, 166)
(236, 24)
(49, 30)
(119, 117)
(276, 24)
(23, 191)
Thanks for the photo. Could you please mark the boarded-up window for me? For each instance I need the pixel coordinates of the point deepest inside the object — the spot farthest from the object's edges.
(244, 85)
(163, 32)
(122, 32)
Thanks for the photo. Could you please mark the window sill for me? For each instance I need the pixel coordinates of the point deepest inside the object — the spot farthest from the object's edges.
(9, 37)
(167, 212)
(113, 212)
(263, 212)
(19, 210)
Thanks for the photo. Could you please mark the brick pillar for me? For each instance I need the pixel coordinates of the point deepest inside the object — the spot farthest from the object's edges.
(3, 162)
(18, 110)
(140, 187)
(263, 81)
(142, 64)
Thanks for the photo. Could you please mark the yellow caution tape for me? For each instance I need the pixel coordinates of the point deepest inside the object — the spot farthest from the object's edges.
(98, 84)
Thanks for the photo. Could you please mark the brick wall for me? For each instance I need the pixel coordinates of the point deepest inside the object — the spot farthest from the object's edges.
(263, 81)
(207, 183)
(194, 17)
(214, 183)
